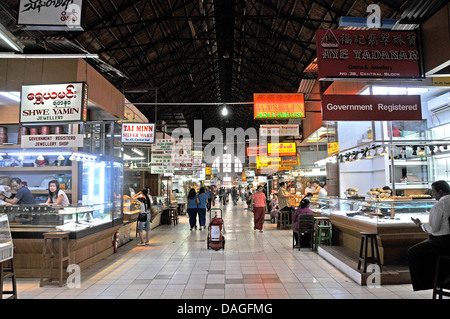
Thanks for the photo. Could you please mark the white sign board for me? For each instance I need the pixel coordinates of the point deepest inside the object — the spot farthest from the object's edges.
(279, 130)
(47, 103)
(138, 133)
(158, 159)
(51, 14)
(45, 141)
(169, 169)
(163, 145)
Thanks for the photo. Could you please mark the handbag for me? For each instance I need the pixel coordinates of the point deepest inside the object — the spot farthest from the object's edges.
(142, 217)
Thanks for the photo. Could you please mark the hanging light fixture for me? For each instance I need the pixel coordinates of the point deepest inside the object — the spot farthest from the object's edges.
(432, 149)
(376, 152)
(369, 153)
(384, 151)
(1, 158)
(40, 157)
(421, 151)
(72, 157)
(21, 157)
(61, 158)
(347, 158)
(224, 110)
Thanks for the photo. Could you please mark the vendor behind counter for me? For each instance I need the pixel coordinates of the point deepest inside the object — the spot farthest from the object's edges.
(23, 194)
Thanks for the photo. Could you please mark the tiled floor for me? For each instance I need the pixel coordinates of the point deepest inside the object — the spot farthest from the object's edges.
(253, 265)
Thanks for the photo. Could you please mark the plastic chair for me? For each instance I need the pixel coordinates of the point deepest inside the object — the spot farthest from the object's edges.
(323, 234)
(305, 227)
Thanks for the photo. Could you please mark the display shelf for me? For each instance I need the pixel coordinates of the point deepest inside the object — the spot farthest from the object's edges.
(37, 170)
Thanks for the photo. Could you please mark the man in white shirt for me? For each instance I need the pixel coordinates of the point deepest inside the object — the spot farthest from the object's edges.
(422, 257)
(323, 192)
(309, 188)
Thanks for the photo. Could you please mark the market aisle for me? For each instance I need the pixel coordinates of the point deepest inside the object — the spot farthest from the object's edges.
(178, 264)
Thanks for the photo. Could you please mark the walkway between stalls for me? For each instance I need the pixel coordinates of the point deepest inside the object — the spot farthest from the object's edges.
(254, 265)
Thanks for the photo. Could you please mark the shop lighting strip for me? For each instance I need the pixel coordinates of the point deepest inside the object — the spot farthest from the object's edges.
(47, 56)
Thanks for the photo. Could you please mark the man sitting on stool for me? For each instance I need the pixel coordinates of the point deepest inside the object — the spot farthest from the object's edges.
(422, 256)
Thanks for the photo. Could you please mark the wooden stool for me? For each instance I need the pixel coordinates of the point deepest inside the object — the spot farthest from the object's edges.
(8, 272)
(442, 277)
(52, 253)
(363, 253)
(173, 216)
(283, 219)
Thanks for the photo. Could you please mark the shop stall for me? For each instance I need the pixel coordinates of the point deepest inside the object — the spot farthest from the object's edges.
(50, 133)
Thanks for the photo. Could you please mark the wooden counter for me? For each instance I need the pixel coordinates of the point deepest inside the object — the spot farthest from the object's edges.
(393, 240)
(84, 252)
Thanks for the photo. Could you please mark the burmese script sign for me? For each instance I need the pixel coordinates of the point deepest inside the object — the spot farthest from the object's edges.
(281, 149)
(371, 108)
(51, 14)
(367, 54)
(278, 105)
(138, 133)
(45, 103)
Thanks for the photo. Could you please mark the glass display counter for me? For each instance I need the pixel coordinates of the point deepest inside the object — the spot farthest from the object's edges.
(376, 212)
(6, 244)
(30, 221)
(390, 219)
(180, 198)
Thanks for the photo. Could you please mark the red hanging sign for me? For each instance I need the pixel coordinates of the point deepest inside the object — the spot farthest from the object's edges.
(367, 54)
(371, 108)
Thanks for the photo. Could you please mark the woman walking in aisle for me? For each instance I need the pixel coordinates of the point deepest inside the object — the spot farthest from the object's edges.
(192, 208)
(202, 198)
(259, 208)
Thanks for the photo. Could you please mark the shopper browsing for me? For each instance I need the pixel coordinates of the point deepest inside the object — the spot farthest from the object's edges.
(422, 256)
(259, 208)
(23, 194)
(283, 197)
(144, 220)
(56, 196)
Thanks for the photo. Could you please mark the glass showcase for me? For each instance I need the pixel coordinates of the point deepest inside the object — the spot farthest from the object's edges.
(27, 220)
(379, 212)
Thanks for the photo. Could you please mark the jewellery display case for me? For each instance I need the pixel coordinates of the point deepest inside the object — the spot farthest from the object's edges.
(389, 219)
(6, 244)
(31, 221)
(376, 212)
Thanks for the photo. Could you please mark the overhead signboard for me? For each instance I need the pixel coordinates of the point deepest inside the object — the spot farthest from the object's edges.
(333, 148)
(371, 108)
(163, 145)
(138, 133)
(278, 105)
(162, 169)
(281, 149)
(279, 130)
(51, 103)
(255, 150)
(61, 15)
(368, 54)
(49, 141)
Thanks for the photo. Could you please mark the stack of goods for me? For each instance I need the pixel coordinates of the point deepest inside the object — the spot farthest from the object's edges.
(353, 193)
